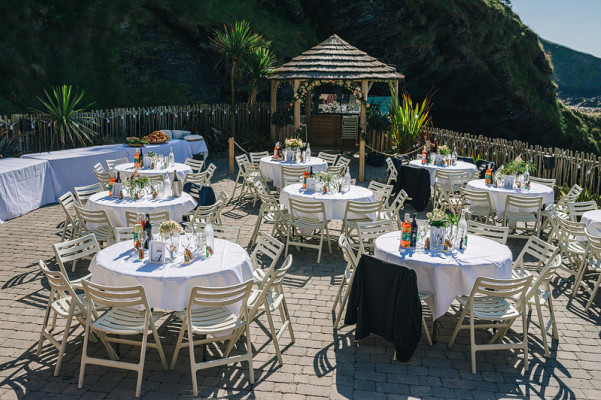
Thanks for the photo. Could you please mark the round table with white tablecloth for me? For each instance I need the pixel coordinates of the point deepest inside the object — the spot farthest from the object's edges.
(115, 207)
(181, 169)
(498, 195)
(592, 220)
(432, 168)
(168, 285)
(448, 274)
(272, 169)
(335, 203)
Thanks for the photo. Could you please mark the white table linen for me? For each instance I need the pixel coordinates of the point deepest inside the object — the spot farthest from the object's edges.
(116, 208)
(73, 167)
(168, 286)
(272, 169)
(334, 203)
(181, 149)
(460, 166)
(25, 185)
(182, 170)
(199, 147)
(592, 220)
(444, 274)
(498, 195)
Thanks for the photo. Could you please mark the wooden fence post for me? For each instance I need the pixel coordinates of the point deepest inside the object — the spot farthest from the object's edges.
(231, 143)
(361, 160)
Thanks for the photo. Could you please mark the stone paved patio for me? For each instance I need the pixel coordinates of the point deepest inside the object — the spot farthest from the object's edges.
(322, 363)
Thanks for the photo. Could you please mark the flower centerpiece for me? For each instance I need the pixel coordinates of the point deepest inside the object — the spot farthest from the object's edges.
(325, 179)
(171, 231)
(514, 167)
(294, 143)
(444, 150)
(438, 221)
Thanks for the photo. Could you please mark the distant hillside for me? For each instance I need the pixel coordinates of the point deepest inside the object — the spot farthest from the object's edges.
(576, 74)
(485, 69)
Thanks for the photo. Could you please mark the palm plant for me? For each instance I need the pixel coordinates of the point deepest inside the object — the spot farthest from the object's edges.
(407, 121)
(63, 109)
(235, 44)
(259, 63)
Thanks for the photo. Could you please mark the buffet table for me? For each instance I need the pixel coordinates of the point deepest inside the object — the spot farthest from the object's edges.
(25, 185)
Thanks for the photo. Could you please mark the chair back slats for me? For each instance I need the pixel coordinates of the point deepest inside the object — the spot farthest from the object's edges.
(199, 178)
(362, 210)
(370, 231)
(292, 173)
(516, 203)
(343, 162)
(451, 180)
(570, 230)
(314, 210)
(123, 234)
(229, 233)
(542, 252)
(111, 164)
(330, 159)
(476, 197)
(497, 233)
(256, 156)
(76, 249)
(219, 296)
(195, 165)
(206, 213)
(545, 276)
(399, 202)
(549, 182)
(93, 216)
(576, 210)
(338, 170)
(210, 172)
(56, 279)
(392, 171)
(155, 179)
(115, 296)
(382, 191)
(267, 246)
(99, 168)
(505, 288)
(155, 218)
(67, 201)
(83, 193)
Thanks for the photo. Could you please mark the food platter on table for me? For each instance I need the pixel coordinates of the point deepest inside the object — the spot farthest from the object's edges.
(157, 137)
(133, 141)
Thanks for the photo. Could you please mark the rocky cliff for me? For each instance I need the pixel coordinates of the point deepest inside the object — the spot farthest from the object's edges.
(486, 71)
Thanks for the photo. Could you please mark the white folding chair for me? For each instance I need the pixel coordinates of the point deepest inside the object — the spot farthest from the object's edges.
(537, 251)
(102, 176)
(497, 303)
(591, 267)
(478, 205)
(350, 127)
(195, 165)
(368, 232)
(99, 168)
(255, 157)
(576, 210)
(84, 247)
(347, 278)
(253, 177)
(311, 218)
(265, 256)
(199, 178)
(330, 159)
(570, 197)
(104, 232)
(241, 177)
(355, 212)
(552, 217)
(497, 233)
(382, 192)
(344, 162)
(394, 211)
(205, 214)
(336, 170)
(208, 315)
(123, 234)
(452, 180)
(270, 297)
(129, 315)
(71, 224)
(573, 246)
(62, 302)
(524, 209)
(111, 164)
(229, 233)
(224, 198)
(155, 218)
(271, 212)
(392, 171)
(155, 179)
(83, 193)
(210, 172)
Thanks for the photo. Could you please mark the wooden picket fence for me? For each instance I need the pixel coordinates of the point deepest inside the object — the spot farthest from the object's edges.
(114, 125)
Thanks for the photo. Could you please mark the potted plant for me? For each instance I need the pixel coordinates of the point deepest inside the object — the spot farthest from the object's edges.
(517, 166)
(407, 121)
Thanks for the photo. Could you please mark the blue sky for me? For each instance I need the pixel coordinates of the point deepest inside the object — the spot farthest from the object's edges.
(572, 23)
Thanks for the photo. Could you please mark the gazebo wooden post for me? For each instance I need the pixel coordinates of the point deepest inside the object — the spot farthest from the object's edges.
(273, 107)
(296, 84)
(363, 126)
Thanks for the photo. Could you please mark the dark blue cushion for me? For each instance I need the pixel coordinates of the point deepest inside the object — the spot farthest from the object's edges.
(206, 195)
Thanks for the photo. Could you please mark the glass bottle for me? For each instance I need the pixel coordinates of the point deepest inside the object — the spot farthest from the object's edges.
(308, 153)
(462, 231)
(171, 157)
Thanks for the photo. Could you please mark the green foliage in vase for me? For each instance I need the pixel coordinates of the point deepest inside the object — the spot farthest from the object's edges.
(517, 167)
(407, 121)
(66, 115)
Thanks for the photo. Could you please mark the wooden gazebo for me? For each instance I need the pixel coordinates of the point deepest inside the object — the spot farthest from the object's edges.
(332, 61)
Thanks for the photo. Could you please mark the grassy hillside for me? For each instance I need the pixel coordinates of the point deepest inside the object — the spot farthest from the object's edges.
(486, 70)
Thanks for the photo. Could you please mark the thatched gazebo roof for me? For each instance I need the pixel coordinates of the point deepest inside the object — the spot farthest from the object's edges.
(337, 60)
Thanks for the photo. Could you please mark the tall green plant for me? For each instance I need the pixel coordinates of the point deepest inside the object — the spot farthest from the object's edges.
(407, 121)
(259, 64)
(63, 109)
(235, 43)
